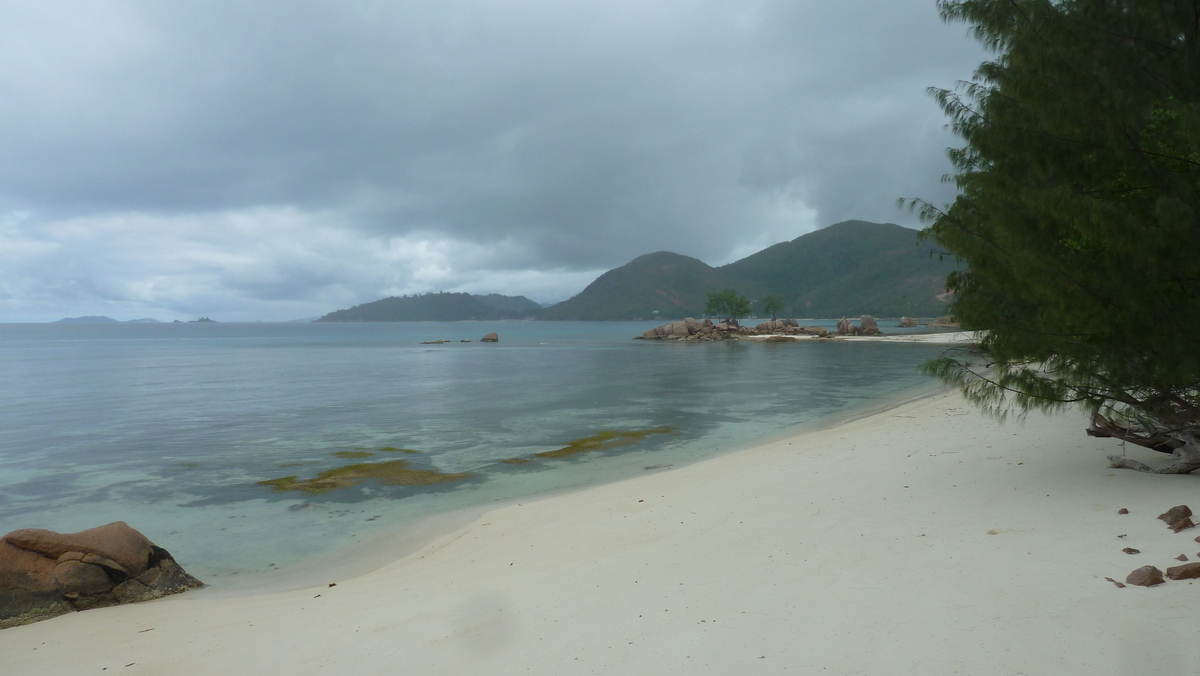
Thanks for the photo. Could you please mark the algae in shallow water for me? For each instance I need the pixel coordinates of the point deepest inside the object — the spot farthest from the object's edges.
(515, 461)
(353, 455)
(393, 449)
(604, 440)
(392, 473)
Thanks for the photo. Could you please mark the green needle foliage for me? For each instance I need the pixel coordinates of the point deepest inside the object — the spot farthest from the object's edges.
(1079, 214)
(728, 303)
(771, 305)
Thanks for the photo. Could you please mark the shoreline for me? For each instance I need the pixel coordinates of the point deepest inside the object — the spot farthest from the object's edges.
(924, 538)
(392, 544)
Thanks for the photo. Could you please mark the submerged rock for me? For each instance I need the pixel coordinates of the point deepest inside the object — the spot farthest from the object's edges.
(44, 573)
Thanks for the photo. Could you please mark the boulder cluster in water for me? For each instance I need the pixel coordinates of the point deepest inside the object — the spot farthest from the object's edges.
(692, 329)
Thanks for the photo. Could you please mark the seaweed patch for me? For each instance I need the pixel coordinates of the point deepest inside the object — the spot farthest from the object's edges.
(352, 455)
(393, 449)
(515, 461)
(604, 440)
(392, 473)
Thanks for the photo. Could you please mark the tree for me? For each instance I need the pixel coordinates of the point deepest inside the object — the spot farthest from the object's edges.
(771, 305)
(1078, 216)
(728, 303)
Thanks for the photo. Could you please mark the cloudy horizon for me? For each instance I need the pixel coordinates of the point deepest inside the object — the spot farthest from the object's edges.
(277, 160)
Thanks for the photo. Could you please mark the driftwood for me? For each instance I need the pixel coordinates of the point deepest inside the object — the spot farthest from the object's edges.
(1185, 446)
(1105, 428)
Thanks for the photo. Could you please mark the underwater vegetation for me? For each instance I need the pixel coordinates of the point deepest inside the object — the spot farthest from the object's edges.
(603, 440)
(350, 455)
(400, 473)
(392, 473)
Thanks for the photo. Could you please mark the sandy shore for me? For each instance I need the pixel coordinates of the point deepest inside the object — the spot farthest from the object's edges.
(934, 338)
(923, 540)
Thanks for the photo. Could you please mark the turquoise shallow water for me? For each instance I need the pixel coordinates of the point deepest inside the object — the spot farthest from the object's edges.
(171, 427)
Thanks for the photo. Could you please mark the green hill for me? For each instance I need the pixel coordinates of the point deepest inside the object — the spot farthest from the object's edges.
(516, 304)
(671, 284)
(426, 307)
(850, 268)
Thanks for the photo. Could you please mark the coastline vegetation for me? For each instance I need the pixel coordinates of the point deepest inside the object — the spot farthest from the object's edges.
(1077, 217)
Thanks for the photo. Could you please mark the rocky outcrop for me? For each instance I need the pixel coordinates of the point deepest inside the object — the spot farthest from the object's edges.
(907, 322)
(43, 573)
(847, 328)
(690, 329)
(490, 338)
(1188, 571)
(868, 326)
(1146, 576)
(947, 322)
(1175, 514)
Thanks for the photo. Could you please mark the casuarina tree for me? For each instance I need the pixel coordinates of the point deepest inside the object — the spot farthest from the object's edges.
(771, 305)
(1078, 216)
(727, 303)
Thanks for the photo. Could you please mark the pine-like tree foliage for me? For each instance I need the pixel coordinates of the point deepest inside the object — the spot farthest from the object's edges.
(1078, 213)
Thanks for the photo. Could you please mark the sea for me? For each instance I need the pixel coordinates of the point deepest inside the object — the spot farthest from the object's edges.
(174, 427)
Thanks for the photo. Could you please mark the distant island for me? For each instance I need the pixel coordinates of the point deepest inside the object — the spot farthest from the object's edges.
(848, 269)
(99, 319)
(437, 307)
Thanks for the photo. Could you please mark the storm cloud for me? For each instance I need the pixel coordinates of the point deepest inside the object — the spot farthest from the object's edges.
(281, 159)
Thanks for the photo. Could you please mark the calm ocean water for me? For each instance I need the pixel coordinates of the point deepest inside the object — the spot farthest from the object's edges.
(170, 427)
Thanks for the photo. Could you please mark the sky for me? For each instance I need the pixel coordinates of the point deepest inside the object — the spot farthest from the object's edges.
(281, 159)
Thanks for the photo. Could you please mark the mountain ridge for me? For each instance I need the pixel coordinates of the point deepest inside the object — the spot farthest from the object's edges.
(848, 269)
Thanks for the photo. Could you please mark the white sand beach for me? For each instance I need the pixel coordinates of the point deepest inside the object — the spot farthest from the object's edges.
(932, 338)
(925, 539)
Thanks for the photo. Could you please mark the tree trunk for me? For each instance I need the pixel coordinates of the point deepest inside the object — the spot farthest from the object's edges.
(1103, 427)
(1187, 458)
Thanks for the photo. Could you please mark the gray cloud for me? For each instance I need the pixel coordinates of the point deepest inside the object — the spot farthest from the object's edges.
(347, 150)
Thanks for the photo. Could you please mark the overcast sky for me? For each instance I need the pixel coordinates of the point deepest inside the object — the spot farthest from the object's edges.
(278, 159)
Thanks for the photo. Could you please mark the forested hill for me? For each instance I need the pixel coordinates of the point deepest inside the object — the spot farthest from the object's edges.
(670, 283)
(850, 268)
(436, 307)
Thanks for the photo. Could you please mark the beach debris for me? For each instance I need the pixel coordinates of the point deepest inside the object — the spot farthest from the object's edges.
(490, 338)
(44, 573)
(1122, 511)
(1146, 576)
(1175, 514)
(1120, 585)
(1187, 571)
(1181, 557)
(1131, 550)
